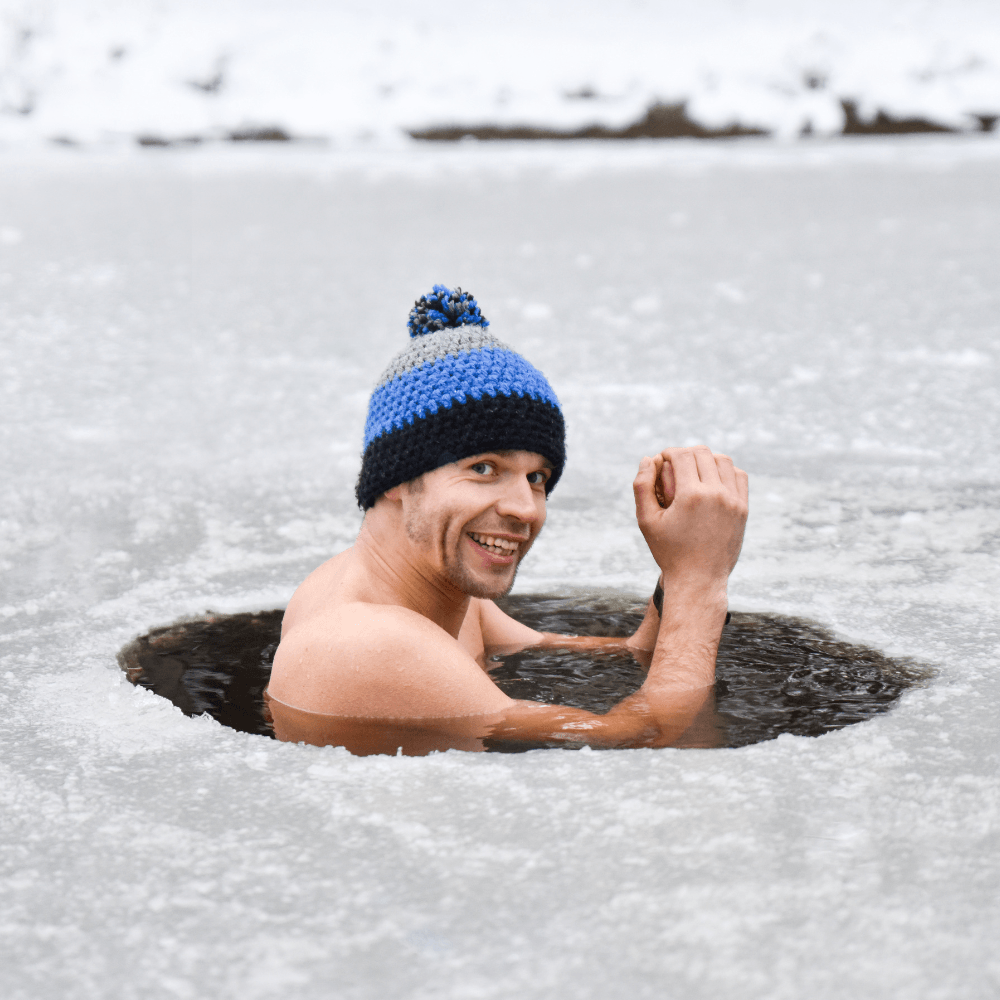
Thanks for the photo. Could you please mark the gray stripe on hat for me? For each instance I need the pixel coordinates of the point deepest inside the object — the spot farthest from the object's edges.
(431, 346)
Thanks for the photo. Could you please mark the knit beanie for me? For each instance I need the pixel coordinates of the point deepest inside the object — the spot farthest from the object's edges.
(455, 391)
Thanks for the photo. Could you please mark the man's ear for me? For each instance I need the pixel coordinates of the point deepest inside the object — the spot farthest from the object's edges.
(397, 493)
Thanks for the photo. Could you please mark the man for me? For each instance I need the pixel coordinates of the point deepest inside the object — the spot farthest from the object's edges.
(383, 646)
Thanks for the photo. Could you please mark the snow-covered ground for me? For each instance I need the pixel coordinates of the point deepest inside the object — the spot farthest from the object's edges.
(188, 340)
(99, 71)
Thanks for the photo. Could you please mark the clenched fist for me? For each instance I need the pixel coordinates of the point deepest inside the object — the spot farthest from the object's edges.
(691, 505)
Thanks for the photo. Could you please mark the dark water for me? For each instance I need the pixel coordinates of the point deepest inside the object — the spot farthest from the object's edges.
(774, 674)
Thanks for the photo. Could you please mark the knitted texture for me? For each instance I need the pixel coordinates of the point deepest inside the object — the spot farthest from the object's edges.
(443, 308)
(454, 391)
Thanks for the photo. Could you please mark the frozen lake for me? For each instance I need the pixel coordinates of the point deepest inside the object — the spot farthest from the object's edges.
(187, 342)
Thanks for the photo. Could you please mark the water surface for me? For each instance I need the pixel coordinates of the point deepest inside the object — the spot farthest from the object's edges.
(775, 675)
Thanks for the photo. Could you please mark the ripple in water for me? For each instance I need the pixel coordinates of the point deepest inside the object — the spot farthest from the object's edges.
(774, 674)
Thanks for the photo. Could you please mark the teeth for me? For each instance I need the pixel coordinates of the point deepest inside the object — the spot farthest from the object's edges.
(496, 545)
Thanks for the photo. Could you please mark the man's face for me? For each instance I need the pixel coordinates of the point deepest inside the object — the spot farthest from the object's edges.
(474, 520)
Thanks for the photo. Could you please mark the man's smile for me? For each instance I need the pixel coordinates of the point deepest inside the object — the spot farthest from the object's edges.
(496, 545)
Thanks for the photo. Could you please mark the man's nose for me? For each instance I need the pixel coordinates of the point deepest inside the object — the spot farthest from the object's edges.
(518, 500)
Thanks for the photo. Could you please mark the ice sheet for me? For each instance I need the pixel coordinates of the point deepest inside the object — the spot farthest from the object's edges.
(187, 346)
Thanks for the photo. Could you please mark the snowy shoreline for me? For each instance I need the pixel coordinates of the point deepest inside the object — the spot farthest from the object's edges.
(177, 71)
(563, 157)
(660, 121)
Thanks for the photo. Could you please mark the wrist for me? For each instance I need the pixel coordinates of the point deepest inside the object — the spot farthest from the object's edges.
(680, 603)
(683, 606)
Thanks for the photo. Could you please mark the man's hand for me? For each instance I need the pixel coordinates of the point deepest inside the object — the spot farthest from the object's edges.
(691, 506)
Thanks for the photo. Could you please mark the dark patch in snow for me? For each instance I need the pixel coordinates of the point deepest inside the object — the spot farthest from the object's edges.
(211, 84)
(259, 133)
(774, 674)
(661, 121)
(24, 106)
(885, 124)
(159, 140)
(245, 133)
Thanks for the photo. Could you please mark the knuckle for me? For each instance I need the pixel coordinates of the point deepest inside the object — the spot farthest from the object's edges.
(694, 500)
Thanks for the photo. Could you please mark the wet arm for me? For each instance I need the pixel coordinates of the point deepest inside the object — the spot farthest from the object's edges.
(500, 631)
(695, 533)
(676, 691)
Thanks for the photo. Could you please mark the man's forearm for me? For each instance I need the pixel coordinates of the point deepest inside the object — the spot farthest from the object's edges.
(687, 642)
(676, 691)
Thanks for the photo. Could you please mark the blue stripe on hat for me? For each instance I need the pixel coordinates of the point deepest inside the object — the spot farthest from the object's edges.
(423, 390)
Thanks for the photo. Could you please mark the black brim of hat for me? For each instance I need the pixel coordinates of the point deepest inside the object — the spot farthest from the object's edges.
(466, 428)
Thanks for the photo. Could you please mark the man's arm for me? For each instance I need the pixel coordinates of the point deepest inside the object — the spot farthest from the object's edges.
(498, 629)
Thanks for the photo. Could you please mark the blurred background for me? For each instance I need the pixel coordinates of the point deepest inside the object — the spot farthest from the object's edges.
(168, 71)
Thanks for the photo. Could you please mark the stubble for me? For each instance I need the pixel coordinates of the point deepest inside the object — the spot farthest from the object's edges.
(420, 530)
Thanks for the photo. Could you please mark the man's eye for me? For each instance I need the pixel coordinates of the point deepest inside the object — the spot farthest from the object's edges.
(537, 478)
(482, 468)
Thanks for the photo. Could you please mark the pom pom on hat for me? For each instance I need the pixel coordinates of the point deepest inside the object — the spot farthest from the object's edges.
(444, 308)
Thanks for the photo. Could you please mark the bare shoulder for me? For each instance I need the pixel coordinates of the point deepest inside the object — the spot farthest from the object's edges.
(317, 590)
(379, 661)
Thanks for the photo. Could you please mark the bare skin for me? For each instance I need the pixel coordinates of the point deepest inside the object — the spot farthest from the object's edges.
(396, 628)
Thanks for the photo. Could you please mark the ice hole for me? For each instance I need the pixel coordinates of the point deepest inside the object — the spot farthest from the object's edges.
(775, 674)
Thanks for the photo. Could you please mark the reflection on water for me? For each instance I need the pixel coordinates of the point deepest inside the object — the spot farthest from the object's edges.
(774, 675)
(416, 738)
(364, 737)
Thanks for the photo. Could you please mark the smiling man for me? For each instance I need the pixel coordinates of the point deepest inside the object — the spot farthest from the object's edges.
(384, 646)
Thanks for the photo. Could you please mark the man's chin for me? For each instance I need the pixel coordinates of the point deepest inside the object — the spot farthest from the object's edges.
(487, 590)
(486, 594)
